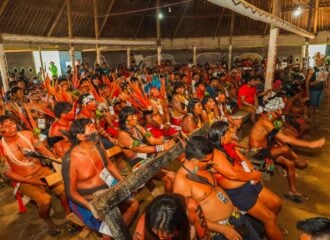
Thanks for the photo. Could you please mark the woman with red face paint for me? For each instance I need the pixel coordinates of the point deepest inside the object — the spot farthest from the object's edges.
(64, 113)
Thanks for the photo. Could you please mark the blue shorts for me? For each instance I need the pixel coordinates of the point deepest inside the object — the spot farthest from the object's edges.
(237, 222)
(86, 216)
(315, 97)
(246, 196)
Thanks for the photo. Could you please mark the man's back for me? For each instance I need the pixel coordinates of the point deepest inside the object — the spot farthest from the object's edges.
(213, 200)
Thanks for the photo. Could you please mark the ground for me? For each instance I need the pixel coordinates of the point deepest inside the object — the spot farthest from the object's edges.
(312, 181)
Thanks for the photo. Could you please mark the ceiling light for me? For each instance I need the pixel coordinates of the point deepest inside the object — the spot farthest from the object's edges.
(160, 16)
(169, 9)
(297, 12)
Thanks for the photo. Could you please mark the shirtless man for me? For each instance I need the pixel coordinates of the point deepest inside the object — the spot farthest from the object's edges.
(158, 119)
(271, 143)
(179, 103)
(194, 180)
(210, 112)
(138, 143)
(86, 170)
(88, 110)
(28, 171)
(64, 114)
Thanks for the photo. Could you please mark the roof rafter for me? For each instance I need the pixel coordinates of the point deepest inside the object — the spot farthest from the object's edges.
(141, 21)
(106, 18)
(219, 22)
(58, 16)
(3, 6)
(180, 21)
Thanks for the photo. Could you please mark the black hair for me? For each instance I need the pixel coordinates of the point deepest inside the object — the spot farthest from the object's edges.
(167, 213)
(206, 99)
(250, 78)
(217, 130)
(81, 97)
(198, 83)
(317, 227)
(123, 114)
(191, 106)
(62, 107)
(4, 118)
(14, 90)
(12, 84)
(176, 86)
(78, 126)
(62, 79)
(83, 80)
(198, 147)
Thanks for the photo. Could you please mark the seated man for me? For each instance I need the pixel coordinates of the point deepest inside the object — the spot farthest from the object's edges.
(88, 109)
(138, 143)
(270, 143)
(86, 170)
(183, 218)
(211, 111)
(317, 228)
(247, 98)
(64, 114)
(194, 180)
(27, 171)
(158, 119)
(179, 103)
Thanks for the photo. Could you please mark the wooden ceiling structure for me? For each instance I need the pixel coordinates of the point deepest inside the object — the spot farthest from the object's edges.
(136, 19)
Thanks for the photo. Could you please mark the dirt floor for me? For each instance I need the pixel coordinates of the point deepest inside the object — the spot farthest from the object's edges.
(312, 181)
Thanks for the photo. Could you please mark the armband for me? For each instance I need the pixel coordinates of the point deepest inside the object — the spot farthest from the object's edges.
(148, 134)
(136, 143)
(159, 148)
(4, 166)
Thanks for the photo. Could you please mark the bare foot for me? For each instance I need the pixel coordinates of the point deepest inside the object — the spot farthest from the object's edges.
(318, 143)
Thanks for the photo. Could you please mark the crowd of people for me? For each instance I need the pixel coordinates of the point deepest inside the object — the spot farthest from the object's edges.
(216, 193)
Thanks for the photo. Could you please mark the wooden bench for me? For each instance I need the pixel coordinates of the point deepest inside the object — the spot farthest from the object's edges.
(244, 116)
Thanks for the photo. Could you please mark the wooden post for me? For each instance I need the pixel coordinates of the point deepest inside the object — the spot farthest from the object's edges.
(97, 34)
(106, 201)
(272, 49)
(116, 224)
(303, 53)
(195, 55)
(316, 16)
(42, 64)
(159, 41)
(4, 68)
(230, 49)
(71, 53)
(71, 49)
(128, 57)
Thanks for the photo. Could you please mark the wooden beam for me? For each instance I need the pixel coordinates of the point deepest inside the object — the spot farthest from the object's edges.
(117, 226)
(68, 11)
(316, 15)
(105, 200)
(180, 21)
(231, 31)
(141, 21)
(3, 6)
(58, 16)
(244, 8)
(107, 17)
(219, 22)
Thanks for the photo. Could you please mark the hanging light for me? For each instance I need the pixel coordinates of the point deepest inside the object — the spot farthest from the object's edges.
(160, 16)
(297, 12)
(169, 9)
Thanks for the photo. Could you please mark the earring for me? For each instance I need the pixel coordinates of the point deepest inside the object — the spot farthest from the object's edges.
(195, 169)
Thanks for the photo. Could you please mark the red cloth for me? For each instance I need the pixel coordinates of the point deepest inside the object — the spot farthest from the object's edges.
(230, 150)
(177, 121)
(156, 132)
(248, 92)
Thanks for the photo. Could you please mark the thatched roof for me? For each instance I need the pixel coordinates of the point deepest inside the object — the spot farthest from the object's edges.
(122, 18)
